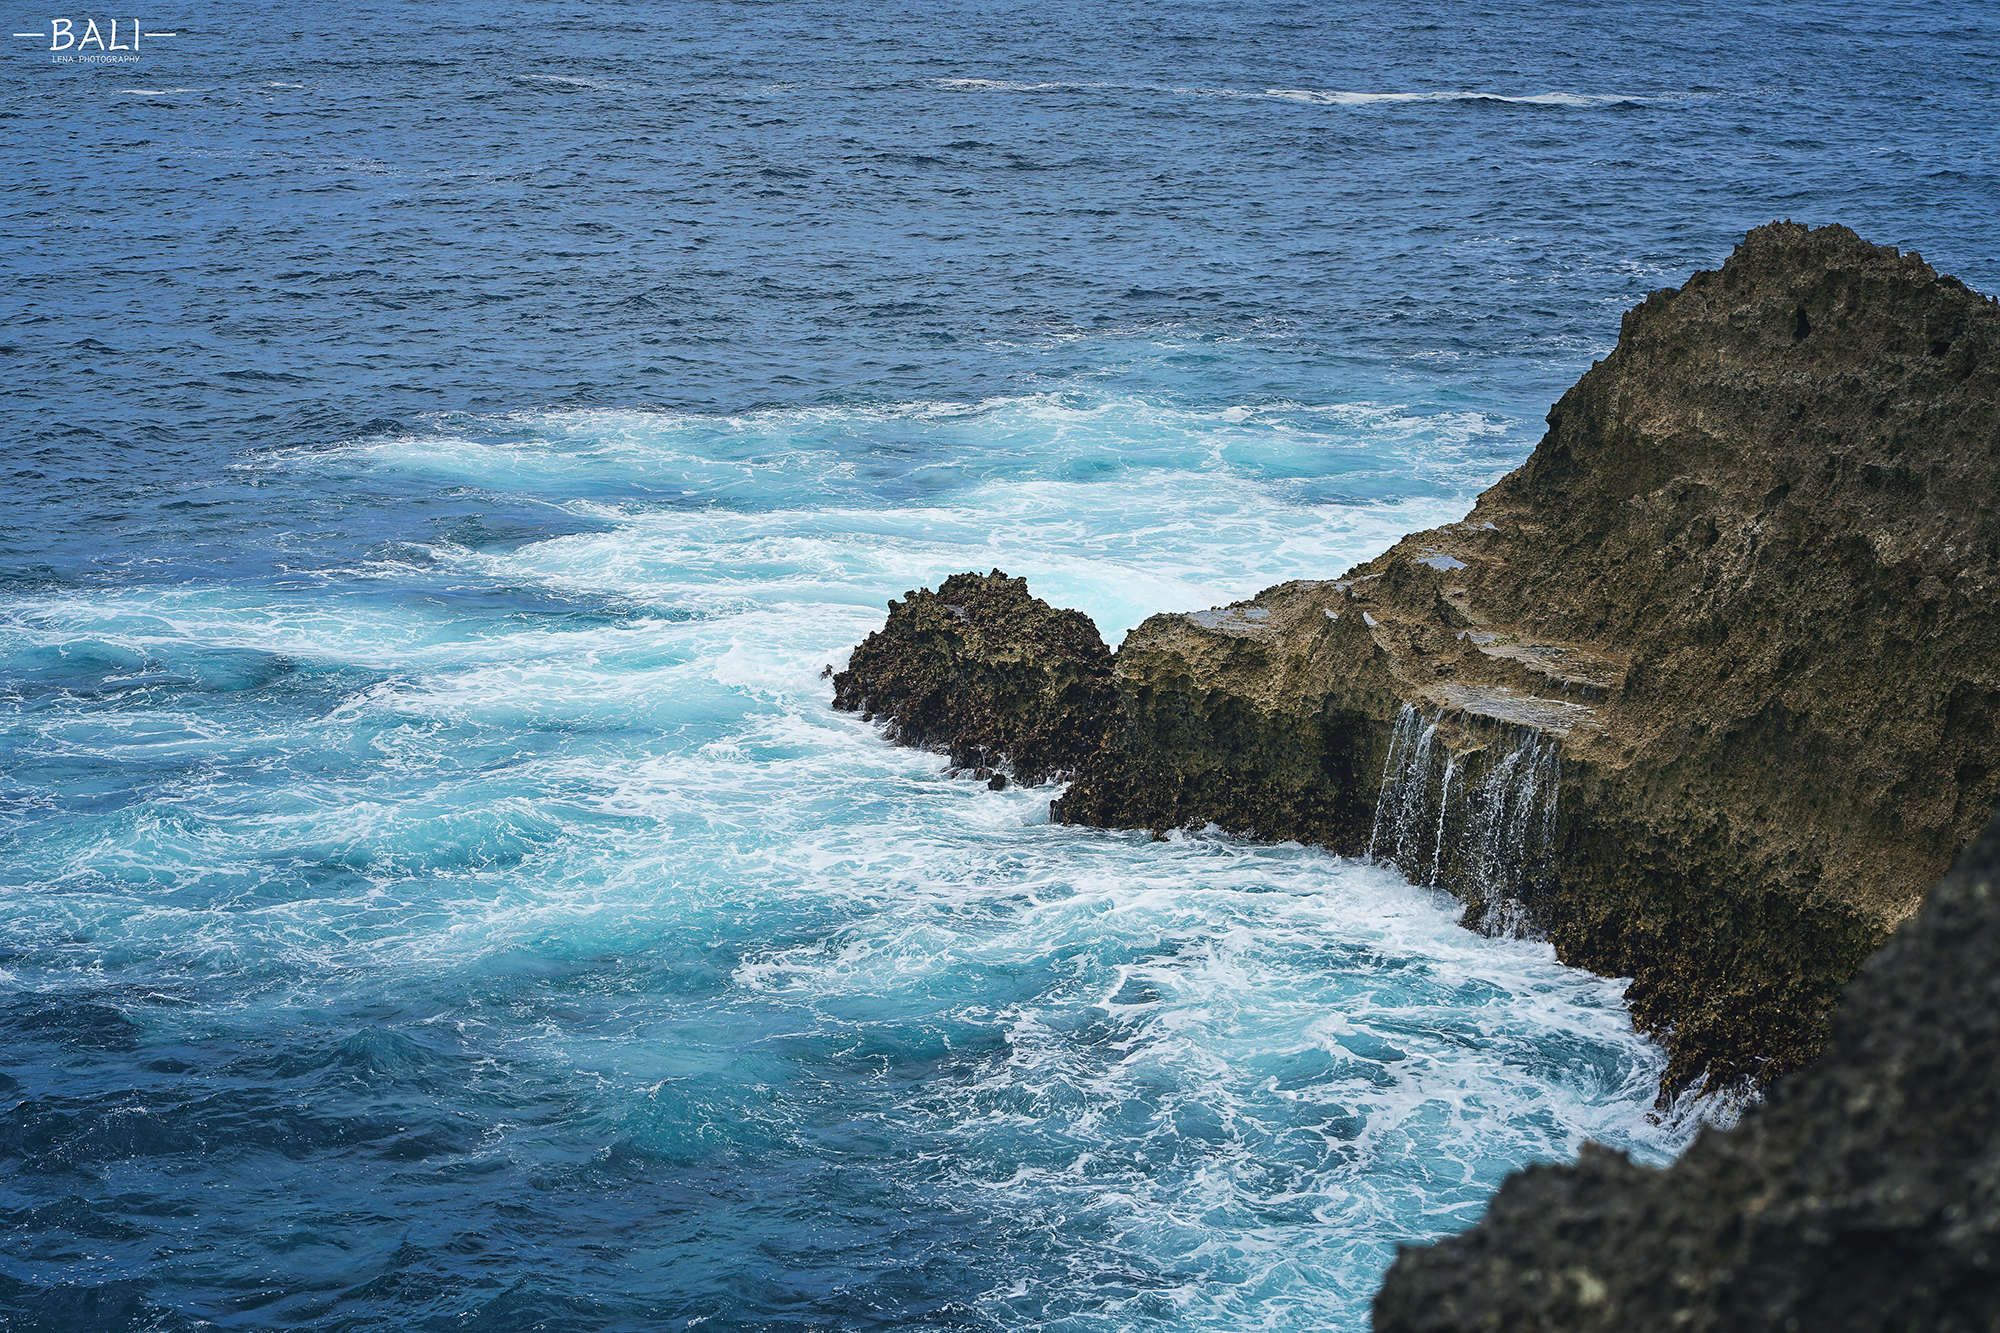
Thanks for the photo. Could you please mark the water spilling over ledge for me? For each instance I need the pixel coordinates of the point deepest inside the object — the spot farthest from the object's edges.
(1481, 823)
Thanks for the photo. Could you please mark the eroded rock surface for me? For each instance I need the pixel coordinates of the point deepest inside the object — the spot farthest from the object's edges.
(1738, 612)
(1863, 1195)
(1261, 718)
(996, 678)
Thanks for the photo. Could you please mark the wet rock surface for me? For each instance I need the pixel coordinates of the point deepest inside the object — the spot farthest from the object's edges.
(987, 673)
(1864, 1194)
(1746, 589)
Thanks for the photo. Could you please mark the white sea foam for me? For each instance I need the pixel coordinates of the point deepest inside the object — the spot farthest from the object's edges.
(1188, 507)
(1336, 97)
(1020, 86)
(1310, 96)
(1239, 1073)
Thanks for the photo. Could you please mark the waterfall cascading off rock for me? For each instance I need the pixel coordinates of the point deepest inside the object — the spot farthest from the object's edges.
(1479, 823)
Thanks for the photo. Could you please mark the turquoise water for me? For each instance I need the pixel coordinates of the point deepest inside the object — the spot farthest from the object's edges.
(444, 451)
(477, 929)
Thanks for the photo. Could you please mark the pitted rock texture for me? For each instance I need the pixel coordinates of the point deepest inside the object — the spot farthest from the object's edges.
(1864, 1194)
(998, 679)
(1773, 508)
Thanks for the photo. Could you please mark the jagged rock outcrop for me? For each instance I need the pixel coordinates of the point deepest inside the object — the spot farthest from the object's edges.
(992, 676)
(1737, 613)
(1864, 1194)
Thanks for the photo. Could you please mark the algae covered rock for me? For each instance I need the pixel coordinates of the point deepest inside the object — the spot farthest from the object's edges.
(1863, 1195)
(985, 672)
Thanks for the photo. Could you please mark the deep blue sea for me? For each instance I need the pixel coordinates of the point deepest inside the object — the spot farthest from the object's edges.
(443, 445)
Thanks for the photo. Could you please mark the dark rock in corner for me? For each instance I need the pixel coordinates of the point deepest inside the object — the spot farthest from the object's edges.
(1863, 1195)
(988, 674)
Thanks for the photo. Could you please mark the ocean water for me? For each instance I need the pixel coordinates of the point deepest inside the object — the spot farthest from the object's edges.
(444, 447)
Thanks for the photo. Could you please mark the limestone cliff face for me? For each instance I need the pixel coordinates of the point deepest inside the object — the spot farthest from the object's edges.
(1863, 1195)
(1748, 585)
(1774, 507)
(1736, 615)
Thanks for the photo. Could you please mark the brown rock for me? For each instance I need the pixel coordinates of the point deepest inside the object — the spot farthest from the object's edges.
(984, 672)
(1748, 589)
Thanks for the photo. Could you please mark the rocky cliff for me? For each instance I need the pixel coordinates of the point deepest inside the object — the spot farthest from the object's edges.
(1864, 1194)
(1705, 690)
